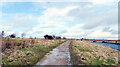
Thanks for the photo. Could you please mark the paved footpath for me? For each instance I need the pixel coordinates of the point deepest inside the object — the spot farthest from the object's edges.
(58, 56)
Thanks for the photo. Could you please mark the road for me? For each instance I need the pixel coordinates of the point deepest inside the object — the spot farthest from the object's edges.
(58, 56)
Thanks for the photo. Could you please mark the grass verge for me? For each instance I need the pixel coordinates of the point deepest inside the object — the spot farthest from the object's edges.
(85, 53)
(27, 56)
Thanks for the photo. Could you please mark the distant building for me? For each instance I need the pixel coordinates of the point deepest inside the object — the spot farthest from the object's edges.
(77, 39)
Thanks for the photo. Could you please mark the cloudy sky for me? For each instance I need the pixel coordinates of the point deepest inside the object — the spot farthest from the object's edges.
(74, 19)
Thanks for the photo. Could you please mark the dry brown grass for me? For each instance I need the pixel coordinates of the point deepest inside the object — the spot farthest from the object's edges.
(93, 54)
(11, 43)
(18, 51)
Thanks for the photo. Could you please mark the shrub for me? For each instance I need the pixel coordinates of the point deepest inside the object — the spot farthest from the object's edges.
(18, 44)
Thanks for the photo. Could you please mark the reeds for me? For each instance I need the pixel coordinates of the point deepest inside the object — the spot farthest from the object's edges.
(11, 43)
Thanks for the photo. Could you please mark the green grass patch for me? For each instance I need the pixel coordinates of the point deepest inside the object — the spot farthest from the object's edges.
(109, 61)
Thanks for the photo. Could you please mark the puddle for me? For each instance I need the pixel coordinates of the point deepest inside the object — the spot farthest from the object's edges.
(69, 59)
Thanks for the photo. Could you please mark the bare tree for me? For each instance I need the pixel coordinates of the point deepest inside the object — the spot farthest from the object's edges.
(3, 33)
(30, 37)
(23, 35)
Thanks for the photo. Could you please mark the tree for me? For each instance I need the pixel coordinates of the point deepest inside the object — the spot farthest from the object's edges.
(12, 35)
(54, 36)
(30, 37)
(2, 33)
(48, 37)
(23, 35)
(64, 37)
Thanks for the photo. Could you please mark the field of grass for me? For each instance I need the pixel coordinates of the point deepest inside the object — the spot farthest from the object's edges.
(26, 53)
(86, 53)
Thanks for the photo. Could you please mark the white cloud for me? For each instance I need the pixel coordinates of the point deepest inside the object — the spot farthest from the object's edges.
(56, 15)
(72, 35)
(20, 21)
(94, 1)
(103, 2)
(54, 19)
(76, 28)
(100, 34)
(95, 16)
(5, 28)
(73, 32)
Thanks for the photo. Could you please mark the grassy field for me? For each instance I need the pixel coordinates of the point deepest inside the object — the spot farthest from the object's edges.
(26, 51)
(86, 53)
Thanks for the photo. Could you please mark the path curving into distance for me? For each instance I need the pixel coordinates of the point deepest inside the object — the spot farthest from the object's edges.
(58, 56)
